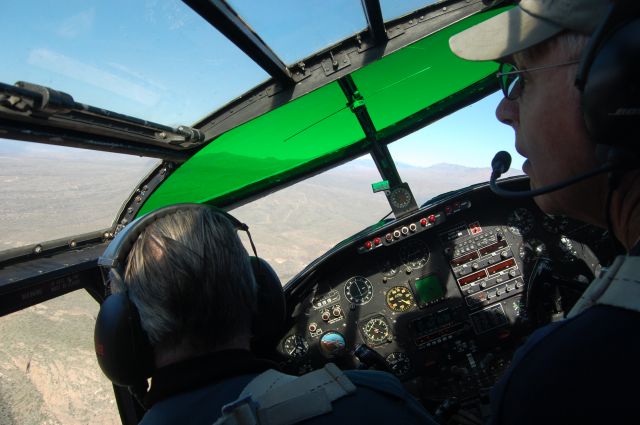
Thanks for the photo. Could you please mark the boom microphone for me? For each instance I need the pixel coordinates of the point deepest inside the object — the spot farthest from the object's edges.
(501, 163)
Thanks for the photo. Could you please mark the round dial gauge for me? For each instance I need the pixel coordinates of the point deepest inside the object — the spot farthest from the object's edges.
(415, 253)
(376, 330)
(399, 363)
(399, 298)
(532, 249)
(400, 197)
(555, 224)
(358, 290)
(520, 221)
(295, 346)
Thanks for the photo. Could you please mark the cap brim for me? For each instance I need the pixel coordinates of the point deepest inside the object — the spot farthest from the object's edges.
(502, 36)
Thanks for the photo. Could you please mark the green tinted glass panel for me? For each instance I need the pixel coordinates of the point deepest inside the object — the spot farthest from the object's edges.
(418, 76)
(301, 131)
(317, 125)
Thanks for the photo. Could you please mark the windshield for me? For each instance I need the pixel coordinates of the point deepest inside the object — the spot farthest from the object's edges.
(294, 226)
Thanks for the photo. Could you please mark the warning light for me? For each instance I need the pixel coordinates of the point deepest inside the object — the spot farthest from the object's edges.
(367, 245)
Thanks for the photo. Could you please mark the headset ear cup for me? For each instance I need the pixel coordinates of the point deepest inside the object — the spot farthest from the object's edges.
(123, 350)
(611, 95)
(269, 320)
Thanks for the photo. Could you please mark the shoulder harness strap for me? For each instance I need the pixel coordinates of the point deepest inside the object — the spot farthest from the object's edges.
(619, 287)
(273, 398)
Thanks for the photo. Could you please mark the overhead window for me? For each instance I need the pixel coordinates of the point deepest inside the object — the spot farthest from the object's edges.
(156, 60)
(295, 30)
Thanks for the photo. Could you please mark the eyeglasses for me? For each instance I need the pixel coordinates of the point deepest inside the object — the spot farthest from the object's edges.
(511, 81)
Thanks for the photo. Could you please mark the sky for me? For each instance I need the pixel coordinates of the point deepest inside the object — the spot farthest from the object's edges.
(158, 60)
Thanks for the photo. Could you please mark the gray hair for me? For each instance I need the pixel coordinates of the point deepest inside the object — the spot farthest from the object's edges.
(191, 279)
(569, 45)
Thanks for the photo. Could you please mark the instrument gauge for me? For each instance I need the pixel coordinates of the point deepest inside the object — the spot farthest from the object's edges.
(532, 249)
(400, 197)
(399, 363)
(333, 344)
(415, 254)
(555, 223)
(521, 221)
(295, 346)
(376, 330)
(358, 290)
(400, 298)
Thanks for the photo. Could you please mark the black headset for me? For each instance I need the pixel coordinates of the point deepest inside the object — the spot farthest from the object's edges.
(609, 79)
(122, 347)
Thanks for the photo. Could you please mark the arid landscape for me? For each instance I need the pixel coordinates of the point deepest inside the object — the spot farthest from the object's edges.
(48, 371)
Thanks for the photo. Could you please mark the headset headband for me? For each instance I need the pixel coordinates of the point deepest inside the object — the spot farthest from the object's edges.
(115, 256)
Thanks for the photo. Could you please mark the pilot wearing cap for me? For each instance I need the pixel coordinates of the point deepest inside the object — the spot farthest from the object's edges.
(570, 75)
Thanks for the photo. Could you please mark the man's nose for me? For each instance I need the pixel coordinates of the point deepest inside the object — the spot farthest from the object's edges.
(507, 112)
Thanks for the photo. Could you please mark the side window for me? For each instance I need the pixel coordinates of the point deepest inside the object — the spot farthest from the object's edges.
(48, 368)
(52, 192)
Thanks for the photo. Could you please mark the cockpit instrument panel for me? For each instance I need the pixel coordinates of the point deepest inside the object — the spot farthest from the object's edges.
(441, 295)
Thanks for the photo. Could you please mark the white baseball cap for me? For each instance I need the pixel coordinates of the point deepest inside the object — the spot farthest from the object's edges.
(525, 25)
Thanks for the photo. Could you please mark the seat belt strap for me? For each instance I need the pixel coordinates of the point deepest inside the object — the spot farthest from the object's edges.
(619, 287)
(274, 398)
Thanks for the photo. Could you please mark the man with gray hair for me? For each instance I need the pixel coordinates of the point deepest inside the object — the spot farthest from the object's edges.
(184, 272)
(182, 318)
(582, 369)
